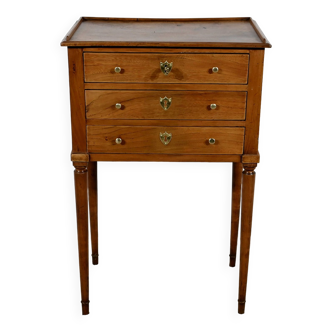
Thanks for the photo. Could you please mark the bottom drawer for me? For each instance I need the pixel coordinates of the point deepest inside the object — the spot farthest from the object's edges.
(168, 140)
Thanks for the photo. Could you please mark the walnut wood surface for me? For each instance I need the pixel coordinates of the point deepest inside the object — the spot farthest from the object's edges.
(93, 211)
(185, 140)
(166, 123)
(81, 187)
(77, 103)
(100, 104)
(254, 101)
(165, 157)
(211, 32)
(163, 50)
(248, 194)
(235, 211)
(145, 68)
(167, 86)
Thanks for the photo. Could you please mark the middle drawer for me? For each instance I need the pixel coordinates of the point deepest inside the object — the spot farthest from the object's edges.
(185, 105)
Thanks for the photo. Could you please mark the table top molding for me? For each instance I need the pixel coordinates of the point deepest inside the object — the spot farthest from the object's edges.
(237, 32)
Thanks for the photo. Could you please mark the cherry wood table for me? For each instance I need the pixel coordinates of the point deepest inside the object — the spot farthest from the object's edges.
(165, 90)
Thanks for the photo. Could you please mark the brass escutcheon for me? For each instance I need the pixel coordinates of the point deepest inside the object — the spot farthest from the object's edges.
(165, 138)
(166, 67)
(165, 103)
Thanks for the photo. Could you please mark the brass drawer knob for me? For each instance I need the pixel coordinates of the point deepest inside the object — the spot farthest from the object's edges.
(213, 106)
(118, 140)
(212, 140)
(118, 106)
(117, 69)
(166, 67)
(215, 69)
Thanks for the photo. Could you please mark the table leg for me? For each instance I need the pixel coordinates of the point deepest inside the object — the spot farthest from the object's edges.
(236, 199)
(248, 186)
(81, 187)
(93, 206)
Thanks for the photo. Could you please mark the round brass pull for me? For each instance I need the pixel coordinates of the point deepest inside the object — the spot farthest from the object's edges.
(117, 69)
(118, 140)
(213, 106)
(118, 106)
(212, 140)
(215, 69)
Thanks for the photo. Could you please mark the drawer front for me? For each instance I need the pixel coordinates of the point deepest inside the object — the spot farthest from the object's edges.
(146, 68)
(189, 105)
(169, 140)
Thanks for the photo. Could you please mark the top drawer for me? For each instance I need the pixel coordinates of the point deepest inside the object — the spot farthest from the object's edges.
(147, 68)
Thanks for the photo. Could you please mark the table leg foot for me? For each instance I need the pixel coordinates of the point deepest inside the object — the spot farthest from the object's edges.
(241, 307)
(232, 260)
(85, 308)
(95, 259)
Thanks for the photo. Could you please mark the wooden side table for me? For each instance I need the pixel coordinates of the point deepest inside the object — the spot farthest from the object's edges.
(165, 90)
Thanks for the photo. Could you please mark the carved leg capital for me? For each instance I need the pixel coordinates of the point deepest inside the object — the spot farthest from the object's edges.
(80, 167)
(249, 169)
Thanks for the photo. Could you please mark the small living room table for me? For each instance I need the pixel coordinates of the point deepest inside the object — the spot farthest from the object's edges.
(172, 90)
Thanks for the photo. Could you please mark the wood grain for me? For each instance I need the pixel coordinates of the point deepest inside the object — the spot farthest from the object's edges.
(81, 187)
(93, 209)
(251, 158)
(187, 68)
(235, 216)
(77, 102)
(162, 86)
(194, 105)
(164, 50)
(213, 32)
(212, 158)
(166, 123)
(185, 140)
(79, 157)
(254, 101)
(248, 187)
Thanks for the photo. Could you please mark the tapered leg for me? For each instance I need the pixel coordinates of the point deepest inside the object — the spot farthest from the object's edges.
(248, 186)
(236, 199)
(93, 205)
(81, 192)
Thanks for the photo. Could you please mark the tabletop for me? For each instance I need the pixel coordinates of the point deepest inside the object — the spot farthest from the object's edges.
(208, 32)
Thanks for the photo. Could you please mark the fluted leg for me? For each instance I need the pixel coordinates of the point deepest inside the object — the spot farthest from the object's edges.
(236, 199)
(248, 186)
(81, 193)
(93, 205)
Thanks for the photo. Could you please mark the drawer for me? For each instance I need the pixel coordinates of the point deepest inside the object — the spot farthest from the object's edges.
(146, 68)
(169, 140)
(192, 105)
